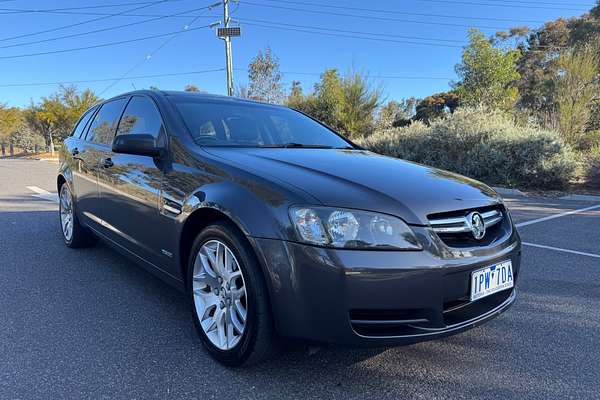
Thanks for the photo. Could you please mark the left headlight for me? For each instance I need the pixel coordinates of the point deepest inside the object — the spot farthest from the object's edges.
(344, 228)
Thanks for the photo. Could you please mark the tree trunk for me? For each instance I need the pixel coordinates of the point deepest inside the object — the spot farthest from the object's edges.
(51, 144)
(12, 150)
(3, 150)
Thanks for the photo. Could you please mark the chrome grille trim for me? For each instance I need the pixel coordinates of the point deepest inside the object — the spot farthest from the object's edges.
(460, 225)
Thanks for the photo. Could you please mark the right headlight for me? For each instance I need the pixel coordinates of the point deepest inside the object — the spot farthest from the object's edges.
(345, 228)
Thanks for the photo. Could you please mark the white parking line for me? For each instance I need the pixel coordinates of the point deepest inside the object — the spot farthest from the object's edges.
(541, 246)
(43, 194)
(535, 221)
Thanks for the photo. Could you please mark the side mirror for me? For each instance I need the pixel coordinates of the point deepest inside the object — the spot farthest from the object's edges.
(139, 144)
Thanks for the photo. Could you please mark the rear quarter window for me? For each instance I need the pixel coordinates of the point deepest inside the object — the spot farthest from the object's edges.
(82, 123)
(103, 127)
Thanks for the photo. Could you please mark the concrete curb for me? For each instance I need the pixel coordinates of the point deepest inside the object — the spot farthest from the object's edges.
(568, 197)
(581, 197)
(508, 192)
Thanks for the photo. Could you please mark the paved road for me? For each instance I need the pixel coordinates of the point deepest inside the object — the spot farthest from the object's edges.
(88, 324)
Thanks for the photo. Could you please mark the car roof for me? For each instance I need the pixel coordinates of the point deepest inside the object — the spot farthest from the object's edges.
(193, 95)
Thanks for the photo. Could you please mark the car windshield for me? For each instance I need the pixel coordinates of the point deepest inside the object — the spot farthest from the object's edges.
(253, 125)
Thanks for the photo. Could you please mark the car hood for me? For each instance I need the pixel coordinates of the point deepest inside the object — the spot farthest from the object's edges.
(364, 180)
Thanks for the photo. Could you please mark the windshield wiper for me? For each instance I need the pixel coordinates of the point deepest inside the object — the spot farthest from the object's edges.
(305, 146)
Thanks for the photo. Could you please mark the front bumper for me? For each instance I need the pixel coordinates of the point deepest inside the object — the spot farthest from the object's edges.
(372, 298)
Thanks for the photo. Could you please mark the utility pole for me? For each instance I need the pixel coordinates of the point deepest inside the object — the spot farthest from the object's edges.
(226, 33)
(228, 60)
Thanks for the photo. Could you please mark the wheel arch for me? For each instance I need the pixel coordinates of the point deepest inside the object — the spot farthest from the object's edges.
(196, 222)
(60, 180)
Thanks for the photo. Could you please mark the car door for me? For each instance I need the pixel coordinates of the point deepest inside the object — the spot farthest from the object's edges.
(88, 154)
(130, 186)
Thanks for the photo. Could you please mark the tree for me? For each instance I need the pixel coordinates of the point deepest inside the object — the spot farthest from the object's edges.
(191, 88)
(10, 119)
(518, 34)
(585, 29)
(538, 67)
(487, 74)
(56, 114)
(360, 100)
(329, 96)
(396, 114)
(577, 87)
(26, 139)
(265, 79)
(296, 96)
(436, 106)
(345, 104)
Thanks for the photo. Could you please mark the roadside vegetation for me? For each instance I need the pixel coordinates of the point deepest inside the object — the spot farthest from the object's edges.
(524, 111)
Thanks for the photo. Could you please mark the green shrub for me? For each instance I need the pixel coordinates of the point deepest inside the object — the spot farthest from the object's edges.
(590, 140)
(485, 145)
(592, 167)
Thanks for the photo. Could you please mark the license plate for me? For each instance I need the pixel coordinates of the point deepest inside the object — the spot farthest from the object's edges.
(492, 279)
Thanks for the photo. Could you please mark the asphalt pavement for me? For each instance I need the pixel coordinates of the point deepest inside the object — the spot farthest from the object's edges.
(88, 324)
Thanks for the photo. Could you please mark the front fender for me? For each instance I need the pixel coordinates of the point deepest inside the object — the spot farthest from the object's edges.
(257, 210)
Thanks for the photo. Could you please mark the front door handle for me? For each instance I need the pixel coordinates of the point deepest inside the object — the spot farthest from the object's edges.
(107, 163)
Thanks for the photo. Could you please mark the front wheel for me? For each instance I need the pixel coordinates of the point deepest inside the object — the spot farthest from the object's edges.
(229, 297)
(74, 234)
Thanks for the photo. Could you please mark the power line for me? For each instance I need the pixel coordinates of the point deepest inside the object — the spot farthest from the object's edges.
(351, 32)
(103, 17)
(369, 17)
(145, 15)
(405, 12)
(402, 77)
(536, 2)
(124, 14)
(99, 45)
(30, 84)
(111, 79)
(150, 55)
(10, 11)
(326, 31)
(102, 29)
(521, 5)
(378, 39)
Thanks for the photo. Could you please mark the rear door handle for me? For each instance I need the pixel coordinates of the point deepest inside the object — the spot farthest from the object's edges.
(107, 163)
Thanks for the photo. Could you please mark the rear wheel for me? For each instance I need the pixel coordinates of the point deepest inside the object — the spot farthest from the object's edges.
(229, 297)
(74, 234)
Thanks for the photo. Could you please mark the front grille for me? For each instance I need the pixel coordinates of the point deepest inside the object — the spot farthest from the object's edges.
(454, 229)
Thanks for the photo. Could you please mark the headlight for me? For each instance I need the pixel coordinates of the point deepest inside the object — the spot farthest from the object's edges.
(355, 229)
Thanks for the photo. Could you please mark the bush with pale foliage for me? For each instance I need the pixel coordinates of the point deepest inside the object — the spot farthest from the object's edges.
(482, 144)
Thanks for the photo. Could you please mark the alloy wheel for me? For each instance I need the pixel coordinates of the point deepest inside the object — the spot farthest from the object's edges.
(219, 292)
(66, 212)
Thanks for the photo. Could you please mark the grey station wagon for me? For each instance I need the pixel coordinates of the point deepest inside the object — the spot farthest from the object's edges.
(277, 227)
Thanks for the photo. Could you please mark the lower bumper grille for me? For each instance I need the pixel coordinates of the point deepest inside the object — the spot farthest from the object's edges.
(414, 322)
(388, 322)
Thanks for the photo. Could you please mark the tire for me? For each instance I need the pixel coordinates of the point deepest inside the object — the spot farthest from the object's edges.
(74, 235)
(257, 341)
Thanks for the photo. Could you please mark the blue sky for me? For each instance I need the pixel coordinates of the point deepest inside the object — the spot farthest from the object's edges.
(401, 63)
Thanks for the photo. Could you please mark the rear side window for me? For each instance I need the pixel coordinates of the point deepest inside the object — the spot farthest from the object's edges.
(82, 123)
(140, 117)
(102, 129)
